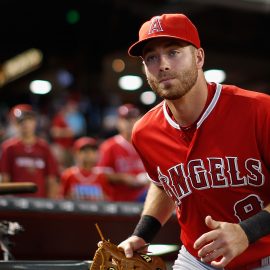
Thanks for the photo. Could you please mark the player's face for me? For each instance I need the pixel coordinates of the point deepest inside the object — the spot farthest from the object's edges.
(170, 67)
(87, 156)
(27, 127)
(125, 126)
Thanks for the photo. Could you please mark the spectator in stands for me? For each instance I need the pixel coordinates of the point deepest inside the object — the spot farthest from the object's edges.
(80, 182)
(25, 157)
(67, 124)
(119, 161)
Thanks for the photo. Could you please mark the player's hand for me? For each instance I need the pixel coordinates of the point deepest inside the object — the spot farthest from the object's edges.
(132, 244)
(223, 243)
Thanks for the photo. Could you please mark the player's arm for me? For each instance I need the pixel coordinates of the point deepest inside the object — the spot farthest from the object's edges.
(118, 178)
(158, 204)
(127, 179)
(4, 177)
(5, 164)
(158, 208)
(257, 226)
(228, 240)
(53, 187)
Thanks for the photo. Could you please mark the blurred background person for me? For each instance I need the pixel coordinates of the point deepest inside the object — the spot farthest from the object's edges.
(119, 161)
(25, 157)
(80, 182)
(68, 124)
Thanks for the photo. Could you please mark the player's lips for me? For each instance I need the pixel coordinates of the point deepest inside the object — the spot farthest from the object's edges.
(163, 80)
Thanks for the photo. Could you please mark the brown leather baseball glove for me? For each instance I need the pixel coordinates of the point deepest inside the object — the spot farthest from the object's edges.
(110, 257)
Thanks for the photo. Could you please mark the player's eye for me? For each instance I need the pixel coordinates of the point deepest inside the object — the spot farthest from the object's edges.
(151, 59)
(173, 52)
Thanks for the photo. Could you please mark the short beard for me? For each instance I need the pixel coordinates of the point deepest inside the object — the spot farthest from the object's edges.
(186, 80)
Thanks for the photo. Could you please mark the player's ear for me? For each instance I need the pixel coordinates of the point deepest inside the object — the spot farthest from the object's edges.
(199, 54)
(143, 63)
(144, 67)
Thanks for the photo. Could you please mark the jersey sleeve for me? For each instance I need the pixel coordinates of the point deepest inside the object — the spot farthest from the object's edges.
(106, 158)
(52, 164)
(5, 164)
(263, 127)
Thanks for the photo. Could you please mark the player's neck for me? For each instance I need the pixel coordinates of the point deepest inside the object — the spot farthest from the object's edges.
(87, 165)
(28, 139)
(187, 109)
(126, 136)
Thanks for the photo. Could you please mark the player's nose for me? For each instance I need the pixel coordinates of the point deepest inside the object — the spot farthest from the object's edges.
(163, 63)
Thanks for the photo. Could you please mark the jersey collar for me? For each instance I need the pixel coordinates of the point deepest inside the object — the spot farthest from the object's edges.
(208, 110)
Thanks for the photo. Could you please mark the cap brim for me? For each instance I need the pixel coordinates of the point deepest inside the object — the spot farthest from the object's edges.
(92, 146)
(25, 115)
(136, 49)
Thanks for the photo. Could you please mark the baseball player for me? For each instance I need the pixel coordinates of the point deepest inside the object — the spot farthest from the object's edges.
(206, 150)
(119, 161)
(67, 124)
(80, 182)
(27, 157)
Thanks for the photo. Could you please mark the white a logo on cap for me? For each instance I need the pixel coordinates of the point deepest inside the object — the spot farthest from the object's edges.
(155, 25)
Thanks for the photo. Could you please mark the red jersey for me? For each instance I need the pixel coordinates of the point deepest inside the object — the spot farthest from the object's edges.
(81, 184)
(28, 163)
(223, 171)
(119, 156)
